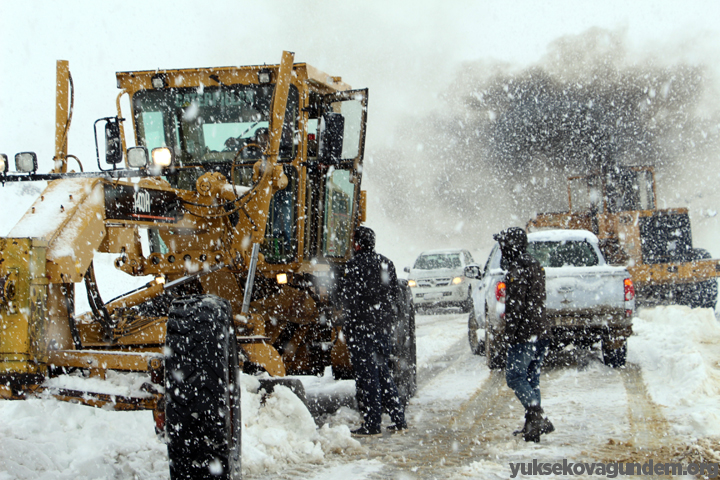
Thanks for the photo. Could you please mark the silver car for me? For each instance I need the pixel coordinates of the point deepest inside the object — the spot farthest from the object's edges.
(437, 280)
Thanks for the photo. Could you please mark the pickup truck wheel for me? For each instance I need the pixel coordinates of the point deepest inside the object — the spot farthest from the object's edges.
(615, 358)
(403, 362)
(202, 385)
(467, 305)
(495, 358)
(476, 346)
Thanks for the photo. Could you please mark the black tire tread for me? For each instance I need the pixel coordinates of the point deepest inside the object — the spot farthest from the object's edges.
(615, 358)
(403, 365)
(201, 362)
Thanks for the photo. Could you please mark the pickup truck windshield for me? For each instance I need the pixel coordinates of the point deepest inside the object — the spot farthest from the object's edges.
(436, 261)
(563, 254)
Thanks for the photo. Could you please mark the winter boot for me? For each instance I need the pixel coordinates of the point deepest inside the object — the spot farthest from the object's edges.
(364, 431)
(536, 424)
(397, 427)
(547, 426)
(523, 430)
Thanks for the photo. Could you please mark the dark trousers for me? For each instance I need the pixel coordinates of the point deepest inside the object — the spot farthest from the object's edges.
(374, 387)
(522, 371)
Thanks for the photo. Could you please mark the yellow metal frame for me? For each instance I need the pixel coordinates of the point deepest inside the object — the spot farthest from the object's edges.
(37, 275)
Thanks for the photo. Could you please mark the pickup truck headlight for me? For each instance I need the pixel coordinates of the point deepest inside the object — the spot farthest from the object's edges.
(457, 280)
(412, 283)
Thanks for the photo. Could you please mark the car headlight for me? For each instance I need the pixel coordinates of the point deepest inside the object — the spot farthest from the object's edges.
(457, 280)
(412, 283)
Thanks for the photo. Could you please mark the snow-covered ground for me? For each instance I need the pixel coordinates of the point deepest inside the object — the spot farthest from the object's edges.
(461, 415)
(676, 351)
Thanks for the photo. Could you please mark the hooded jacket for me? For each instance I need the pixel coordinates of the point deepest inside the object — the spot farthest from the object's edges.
(525, 319)
(368, 290)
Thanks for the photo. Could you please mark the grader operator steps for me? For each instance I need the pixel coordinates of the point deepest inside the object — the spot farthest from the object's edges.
(242, 192)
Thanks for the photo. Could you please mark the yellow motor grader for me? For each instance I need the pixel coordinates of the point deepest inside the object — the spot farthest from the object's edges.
(239, 200)
(618, 204)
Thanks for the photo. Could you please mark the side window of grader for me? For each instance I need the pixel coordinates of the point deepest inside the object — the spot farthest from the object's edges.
(281, 244)
(339, 197)
(352, 111)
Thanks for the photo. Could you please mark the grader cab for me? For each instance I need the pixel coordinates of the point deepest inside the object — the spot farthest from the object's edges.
(239, 200)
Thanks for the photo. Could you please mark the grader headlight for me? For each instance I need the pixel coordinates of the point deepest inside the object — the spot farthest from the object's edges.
(282, 278)
(162, 157)
(137, 157)
(26, 162)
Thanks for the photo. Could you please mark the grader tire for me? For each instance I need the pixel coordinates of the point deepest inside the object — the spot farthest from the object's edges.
(202, 385)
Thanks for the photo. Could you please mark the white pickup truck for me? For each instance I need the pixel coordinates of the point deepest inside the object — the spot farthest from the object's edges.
(587, 300)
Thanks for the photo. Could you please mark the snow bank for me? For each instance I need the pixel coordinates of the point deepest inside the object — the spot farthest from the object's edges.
(281, 431)
(678, 349)
(54, 440)
(49, 439)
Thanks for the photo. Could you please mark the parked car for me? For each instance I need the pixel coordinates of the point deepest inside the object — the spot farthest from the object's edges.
(587, 300)
(437, 279)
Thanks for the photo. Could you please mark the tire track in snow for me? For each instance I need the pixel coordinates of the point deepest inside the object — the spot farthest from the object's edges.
(451, 439)
(456, 354)
(649, 435)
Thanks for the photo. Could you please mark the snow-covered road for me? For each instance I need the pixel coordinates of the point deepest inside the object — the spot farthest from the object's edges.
(662, 406)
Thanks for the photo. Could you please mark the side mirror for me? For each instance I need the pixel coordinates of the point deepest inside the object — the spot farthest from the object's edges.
(113, 146)
(406, 269)
(473, 271)
(26, 162)
(332, 128)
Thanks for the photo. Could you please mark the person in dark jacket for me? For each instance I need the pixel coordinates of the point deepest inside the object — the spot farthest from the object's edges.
(527, 329)
(368, 289)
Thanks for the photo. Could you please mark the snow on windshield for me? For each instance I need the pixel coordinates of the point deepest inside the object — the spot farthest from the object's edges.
(437, 261)
(563, 254)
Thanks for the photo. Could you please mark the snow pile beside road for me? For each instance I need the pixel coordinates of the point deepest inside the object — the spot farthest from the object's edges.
(282, 431)
(678, 349)
(46, 438)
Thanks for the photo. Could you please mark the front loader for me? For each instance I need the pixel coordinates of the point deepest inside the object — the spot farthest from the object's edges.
(238, 200)
(618, 204)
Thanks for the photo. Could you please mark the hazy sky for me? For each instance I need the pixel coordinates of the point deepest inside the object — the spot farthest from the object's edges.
(405, 51)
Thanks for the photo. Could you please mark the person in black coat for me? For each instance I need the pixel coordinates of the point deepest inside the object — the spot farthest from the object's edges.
(527, 329)
(368, 290)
